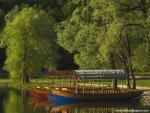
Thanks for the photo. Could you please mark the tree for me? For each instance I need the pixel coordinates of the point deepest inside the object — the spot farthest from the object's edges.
(58, 9)
(121, 30)
(131, 35)
(30, 42)
(83, 35)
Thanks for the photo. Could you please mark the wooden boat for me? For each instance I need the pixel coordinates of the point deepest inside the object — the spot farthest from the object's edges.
(39, 92)
(97, 94)
(86, 85)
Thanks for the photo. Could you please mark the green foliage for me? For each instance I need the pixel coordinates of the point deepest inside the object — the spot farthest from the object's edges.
(98, 33)
(102, 32)
(30, 42)
(141, 59)
(68, 8)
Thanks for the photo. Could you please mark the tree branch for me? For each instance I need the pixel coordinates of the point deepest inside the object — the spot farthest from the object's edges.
(130, 24)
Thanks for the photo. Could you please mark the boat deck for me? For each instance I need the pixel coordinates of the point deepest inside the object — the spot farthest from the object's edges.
(89, 90)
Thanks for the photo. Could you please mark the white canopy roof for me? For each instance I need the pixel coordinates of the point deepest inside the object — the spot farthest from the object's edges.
(101, 73)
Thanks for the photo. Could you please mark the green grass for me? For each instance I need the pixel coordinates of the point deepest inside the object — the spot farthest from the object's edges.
(46, 81)
(143, 83)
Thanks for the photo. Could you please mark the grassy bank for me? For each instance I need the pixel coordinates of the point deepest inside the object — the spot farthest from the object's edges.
(144, 83)
(48, 81)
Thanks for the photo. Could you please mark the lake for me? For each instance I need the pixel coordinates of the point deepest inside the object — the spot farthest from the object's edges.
(19, 101)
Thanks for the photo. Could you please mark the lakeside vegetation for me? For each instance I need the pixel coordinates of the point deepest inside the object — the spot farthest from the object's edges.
(51, 35)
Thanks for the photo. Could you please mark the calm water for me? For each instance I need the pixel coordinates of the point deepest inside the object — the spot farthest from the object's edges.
(19, 101)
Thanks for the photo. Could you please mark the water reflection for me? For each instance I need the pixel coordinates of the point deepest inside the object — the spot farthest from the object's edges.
(12, 103)
(96, 107)
(19, 101)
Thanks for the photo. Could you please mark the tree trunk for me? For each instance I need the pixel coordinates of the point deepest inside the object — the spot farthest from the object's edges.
(127, 70)
(130, 64)
(114, 83)
(112, 61)
(25, 76)
(133, 77)
(128, 79)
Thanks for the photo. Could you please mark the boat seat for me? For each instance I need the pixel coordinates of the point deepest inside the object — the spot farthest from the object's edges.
(46, 87)
(56, 88)
(38, 87)
(64, 89)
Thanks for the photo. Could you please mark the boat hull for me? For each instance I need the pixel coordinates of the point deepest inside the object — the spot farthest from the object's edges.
(66, 96)
(39, 93)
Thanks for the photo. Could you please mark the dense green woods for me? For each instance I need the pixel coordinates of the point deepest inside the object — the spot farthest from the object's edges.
(93, 34)
(29, 39)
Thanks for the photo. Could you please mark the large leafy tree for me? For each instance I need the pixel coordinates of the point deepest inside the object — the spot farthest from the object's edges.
(108, 34)
(128, 34)
(84, 33)
(30, 42)
(58, 9)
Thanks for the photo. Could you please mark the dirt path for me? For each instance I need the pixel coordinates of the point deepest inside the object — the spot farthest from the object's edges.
(138, 87)
(143, 88)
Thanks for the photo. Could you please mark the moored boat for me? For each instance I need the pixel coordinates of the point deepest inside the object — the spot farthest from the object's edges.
(96, 94)
(39, 92)
(87, 85)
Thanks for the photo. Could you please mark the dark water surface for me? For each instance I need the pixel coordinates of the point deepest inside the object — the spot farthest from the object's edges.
(19, 101)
